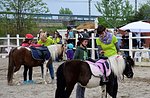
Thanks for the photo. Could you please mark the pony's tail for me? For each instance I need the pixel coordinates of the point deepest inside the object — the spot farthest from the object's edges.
(61, 83)
(10, 68)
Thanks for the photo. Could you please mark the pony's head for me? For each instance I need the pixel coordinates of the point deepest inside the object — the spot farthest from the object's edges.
(121, 65)
(57, 51)
(129, 63)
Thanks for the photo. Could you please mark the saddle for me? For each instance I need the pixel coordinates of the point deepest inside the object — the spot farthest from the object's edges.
(100, 68)
(40, 53)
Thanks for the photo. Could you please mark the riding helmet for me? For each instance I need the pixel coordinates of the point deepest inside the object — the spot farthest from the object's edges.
(83, 36)
(29, 36)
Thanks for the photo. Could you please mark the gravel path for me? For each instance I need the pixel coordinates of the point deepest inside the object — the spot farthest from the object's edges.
(138, 87)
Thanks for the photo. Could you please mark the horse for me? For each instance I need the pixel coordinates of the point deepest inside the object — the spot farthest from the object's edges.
(77, 71)
(23, 56)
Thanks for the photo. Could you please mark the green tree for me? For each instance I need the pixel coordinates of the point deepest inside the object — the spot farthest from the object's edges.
(65, 19)
(114, 12)
(19, 7)
(143, 12)
(65, 11)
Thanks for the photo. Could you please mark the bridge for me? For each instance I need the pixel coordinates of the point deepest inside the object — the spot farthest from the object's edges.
(56, 18)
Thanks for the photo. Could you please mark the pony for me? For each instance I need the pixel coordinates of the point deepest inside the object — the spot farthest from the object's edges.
(76, 71)
(23, 56)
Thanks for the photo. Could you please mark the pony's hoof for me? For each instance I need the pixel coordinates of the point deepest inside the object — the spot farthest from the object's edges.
(10, 84)
(45, 83)
(52, 81)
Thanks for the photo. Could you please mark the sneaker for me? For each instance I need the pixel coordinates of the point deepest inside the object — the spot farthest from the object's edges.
(52, 81)
(31, 82)
(25, 82)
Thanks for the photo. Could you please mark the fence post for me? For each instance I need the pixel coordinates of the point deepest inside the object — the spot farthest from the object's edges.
(76, 39)
(8, 43)
(38, 35)
(18, 44)
(93, 46)
(130, 44)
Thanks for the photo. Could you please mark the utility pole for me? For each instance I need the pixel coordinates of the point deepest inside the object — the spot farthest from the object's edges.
(135, 6)
(90, 9)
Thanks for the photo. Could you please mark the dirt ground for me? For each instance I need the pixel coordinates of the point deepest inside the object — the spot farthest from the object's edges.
(138, 87)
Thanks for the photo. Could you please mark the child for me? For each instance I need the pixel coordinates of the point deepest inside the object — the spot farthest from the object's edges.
(82, 54)
(69, 51)
(27, 43)
(57, 38)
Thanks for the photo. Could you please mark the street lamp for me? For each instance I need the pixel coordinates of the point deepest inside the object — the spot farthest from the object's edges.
(90, 9)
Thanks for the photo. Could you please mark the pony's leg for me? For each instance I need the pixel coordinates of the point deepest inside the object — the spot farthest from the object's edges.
(17, 67)
(104, 93)
(112, 87)
(68, 91)
(44, 72)
(10, 74)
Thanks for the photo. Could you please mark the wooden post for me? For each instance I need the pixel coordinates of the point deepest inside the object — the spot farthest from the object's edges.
(93, 46)
(18, 44)
(130, 44)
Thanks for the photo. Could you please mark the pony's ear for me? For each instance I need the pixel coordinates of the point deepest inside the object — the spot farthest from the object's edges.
(124, 56)
(129, 57)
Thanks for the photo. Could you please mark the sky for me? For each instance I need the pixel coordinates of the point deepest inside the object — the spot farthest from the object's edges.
(78, 7)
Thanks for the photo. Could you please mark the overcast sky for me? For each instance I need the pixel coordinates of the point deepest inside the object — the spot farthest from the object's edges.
(78, 7)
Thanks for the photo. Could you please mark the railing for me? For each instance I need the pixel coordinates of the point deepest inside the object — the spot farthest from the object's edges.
(132, 51)
(5, 48)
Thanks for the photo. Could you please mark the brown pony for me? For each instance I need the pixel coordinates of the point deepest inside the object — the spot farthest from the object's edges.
(22, 56)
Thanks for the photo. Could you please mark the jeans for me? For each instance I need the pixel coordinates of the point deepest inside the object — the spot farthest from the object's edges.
(126, 52)
(80, 91)
(51, 70)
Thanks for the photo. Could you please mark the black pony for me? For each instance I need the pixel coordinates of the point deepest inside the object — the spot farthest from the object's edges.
(76, 71)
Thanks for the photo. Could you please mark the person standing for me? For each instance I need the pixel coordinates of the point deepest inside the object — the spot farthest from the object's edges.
(27, 43)
(119, 36)
(69, 50)
(47, 41)
(81, 53)
(125, 42)
(57, 38)
(44, 40)
(106, 42)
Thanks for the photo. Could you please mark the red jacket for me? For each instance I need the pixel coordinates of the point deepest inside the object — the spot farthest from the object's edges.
(25, 44)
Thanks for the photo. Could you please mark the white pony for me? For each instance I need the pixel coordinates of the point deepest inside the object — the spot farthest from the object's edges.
(117, 64)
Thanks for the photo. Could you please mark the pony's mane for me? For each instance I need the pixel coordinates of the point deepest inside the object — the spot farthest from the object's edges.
(55, 50)
(117, 64)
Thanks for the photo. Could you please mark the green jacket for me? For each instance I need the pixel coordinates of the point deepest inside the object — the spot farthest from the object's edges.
(48, 42)
(57, 40)
(81, 53)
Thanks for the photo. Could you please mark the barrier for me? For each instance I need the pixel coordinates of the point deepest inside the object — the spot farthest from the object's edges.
(138, 60)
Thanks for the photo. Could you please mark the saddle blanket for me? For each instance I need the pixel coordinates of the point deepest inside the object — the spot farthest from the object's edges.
(40, 53)
(100, 68)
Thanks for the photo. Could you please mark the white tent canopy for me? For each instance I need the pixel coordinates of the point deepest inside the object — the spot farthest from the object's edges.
(138, 26)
